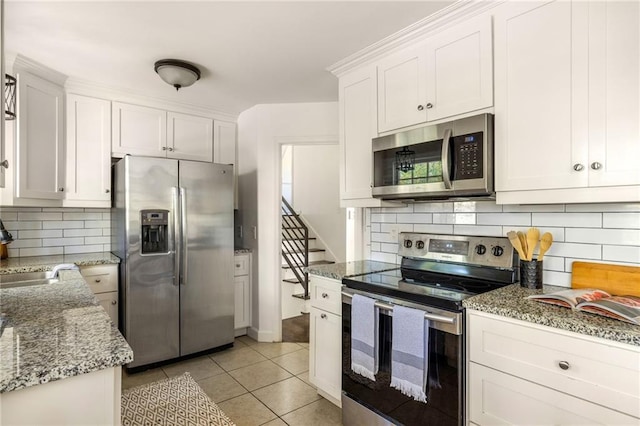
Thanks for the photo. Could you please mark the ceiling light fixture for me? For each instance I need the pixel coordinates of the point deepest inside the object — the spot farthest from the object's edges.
(177, 73)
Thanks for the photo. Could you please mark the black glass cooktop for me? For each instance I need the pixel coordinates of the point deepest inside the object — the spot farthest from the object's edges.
(433, 289)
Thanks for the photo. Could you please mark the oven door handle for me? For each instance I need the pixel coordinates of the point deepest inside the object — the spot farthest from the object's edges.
(446, 172)
(389, 307)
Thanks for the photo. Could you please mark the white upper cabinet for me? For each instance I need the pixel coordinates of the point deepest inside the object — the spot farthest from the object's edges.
(88, 152)
(448, 74)
(567, 101)
(138, 130)
(189, 137)
(224, 142)
(40, 144)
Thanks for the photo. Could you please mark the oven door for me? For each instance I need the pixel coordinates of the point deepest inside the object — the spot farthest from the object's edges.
(377, 403)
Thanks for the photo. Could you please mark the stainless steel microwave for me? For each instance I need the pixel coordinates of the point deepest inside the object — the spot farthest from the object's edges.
(446, 160)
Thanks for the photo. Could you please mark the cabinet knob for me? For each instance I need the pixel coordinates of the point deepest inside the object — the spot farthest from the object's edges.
(420, 107)
(113, 302)
(237, 265)
(106, 191)
(429, 105)
(323, 316)
(578, 167)
(564, 365)
(164, 148)
(325, 295)
(5, 164)
(61, 189)
(596, 166)
(170, 149)
(97, 280)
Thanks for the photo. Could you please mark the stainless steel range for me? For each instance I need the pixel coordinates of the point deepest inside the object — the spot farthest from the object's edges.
(437, 273)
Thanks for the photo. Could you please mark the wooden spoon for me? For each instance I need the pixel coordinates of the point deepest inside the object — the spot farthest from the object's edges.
(545, 244)
(533, 236)
(515, 242)
(523, 243)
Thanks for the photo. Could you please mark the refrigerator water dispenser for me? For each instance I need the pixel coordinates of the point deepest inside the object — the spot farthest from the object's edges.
(155, 233)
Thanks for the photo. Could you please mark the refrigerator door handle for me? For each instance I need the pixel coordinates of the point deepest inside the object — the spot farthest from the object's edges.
(183, 234)
(177, 247)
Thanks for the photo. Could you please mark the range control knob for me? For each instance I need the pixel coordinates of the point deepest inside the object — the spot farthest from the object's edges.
(419, 245)
(408, 243)
(481, 249)
(497, 251)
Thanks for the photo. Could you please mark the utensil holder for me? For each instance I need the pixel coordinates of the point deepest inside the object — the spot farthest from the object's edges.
(531, 274)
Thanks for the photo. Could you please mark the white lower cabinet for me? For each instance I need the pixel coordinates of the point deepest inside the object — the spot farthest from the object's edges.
(523, 373)
(325, 337)
(242, 285)
(103, 281)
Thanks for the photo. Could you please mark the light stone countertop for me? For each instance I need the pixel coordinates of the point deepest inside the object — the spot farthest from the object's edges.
(55, 331)
(338, 271)
(511, 301)
(14, 265)
(242, 250)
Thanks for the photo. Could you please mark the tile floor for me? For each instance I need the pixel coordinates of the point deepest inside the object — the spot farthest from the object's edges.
(254, 384)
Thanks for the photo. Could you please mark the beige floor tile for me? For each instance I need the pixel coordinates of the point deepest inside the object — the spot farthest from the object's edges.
(259, 375)
(305, 378)
(304, 345)
(295, 362)
(286, 396)
(221, 387)
(199, 368)
(137, 379)
(319, 413)
(247, 340)
(272, 350)
(237, 343)
(246, 410)
(275, 422)
(237, 358)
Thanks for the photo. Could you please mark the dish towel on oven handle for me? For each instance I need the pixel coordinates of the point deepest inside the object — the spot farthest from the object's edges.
(410, 352)
(364, 336)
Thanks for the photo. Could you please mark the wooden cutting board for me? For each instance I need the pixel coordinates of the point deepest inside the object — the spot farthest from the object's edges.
(614, 279)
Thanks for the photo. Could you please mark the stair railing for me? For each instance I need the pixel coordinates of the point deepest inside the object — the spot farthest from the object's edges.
(295, 244)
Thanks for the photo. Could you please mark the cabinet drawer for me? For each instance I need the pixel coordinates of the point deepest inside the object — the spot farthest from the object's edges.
(241, 264)
(326, 294)
(597, 370)
(497, 398)
(101, 278)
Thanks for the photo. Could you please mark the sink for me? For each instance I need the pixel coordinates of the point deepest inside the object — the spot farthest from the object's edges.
(27, 279)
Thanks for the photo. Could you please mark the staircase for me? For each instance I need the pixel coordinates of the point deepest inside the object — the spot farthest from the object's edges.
(299, 250)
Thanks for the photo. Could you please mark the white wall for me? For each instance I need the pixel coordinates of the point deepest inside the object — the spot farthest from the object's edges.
(262, 130)
(588, 232)
(316, 195)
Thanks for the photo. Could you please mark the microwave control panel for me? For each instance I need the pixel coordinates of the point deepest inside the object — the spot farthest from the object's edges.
(468, 156)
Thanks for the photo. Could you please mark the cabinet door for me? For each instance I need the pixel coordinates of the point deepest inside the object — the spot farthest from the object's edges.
(224, 142)
(242, 302)
(109, 301)
(614, 93)
(40, 147)
(401, 90)
(460, 69)
(138, 130)
(189, 137)
(88, 152)
(325, 356)
(541, 105)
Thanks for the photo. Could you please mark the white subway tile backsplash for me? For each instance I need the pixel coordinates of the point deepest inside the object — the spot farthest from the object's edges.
(584, 220)
(383, 217)
(562, 279)
(621, 220)
(586, 251)
(557, 233)
(400, 227)
(493, 231)
(433, 228)
(621, 253)
(375, 227)
(389, 248)
(444, 218)
(53, 231)
(623, 237)
(552, 263)
(476, 206)
(516, 219)
(432, 207)
(381, 237)
(414, 218)
(375, 246)
(611, 207)
(531, 208)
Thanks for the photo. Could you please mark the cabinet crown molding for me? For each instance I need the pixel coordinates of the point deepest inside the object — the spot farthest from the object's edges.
(452, 14)
(22, 63)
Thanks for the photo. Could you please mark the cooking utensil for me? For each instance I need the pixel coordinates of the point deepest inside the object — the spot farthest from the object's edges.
(515, 242)
(533, 236)
(523, 243)
(545, 244)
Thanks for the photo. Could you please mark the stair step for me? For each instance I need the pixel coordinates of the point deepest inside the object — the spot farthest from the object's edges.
(302, 296)
(314, 263)
(311, 250)
(291, 280)
(298, 239)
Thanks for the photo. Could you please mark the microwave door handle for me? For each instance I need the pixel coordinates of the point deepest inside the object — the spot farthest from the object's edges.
(446, 172)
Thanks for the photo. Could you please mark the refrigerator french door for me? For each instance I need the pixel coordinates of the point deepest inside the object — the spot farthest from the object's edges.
(173, 230)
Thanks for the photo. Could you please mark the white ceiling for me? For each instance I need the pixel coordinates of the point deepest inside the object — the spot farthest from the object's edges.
(249, 52)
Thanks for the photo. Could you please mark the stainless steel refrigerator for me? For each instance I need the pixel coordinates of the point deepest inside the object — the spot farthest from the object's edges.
(172, 227)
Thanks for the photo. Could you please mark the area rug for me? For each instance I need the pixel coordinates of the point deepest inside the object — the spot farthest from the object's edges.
(175, 401)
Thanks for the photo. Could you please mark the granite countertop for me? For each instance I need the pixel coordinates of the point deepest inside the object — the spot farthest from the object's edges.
(56, 331)
(338, 271)
(15, 265)
(242, 250)
(511, 301)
